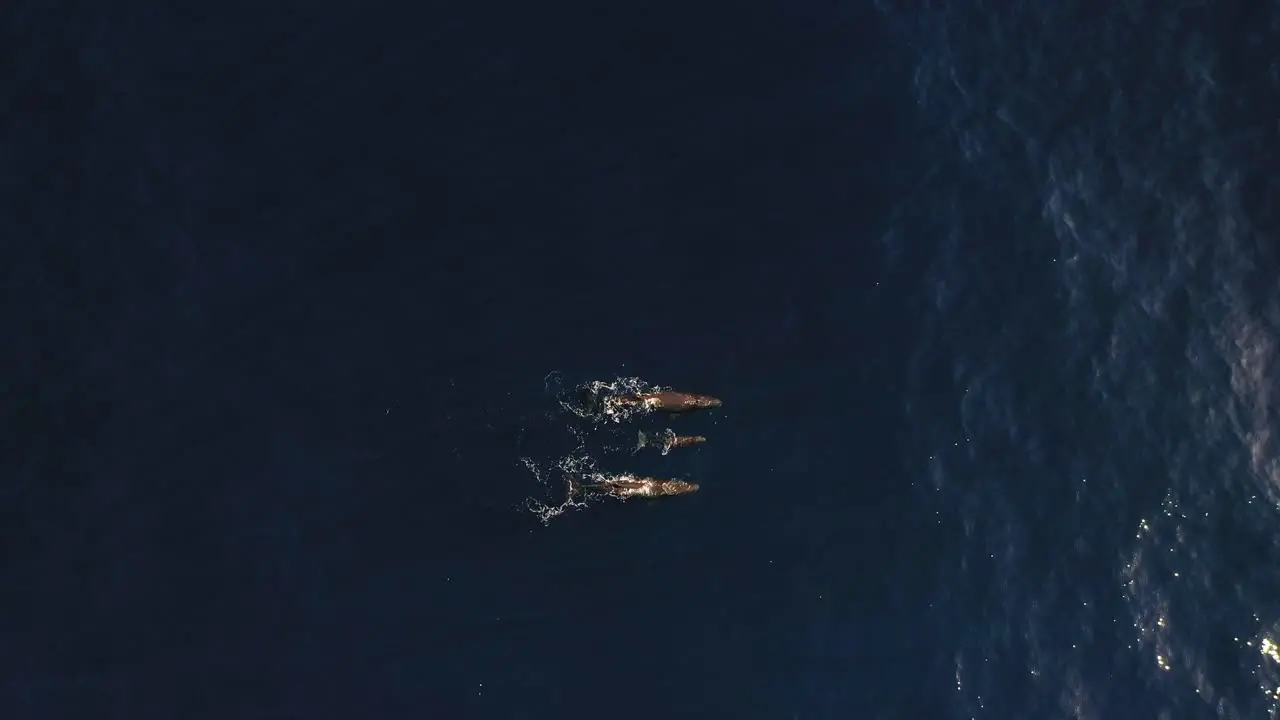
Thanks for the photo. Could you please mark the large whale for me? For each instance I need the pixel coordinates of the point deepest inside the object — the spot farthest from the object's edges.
(627, 486)
(668, 401)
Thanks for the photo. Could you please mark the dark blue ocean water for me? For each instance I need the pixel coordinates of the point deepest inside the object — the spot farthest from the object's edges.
(1104, 330)
(988, 290)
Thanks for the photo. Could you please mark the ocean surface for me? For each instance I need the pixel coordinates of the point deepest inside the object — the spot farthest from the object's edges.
(1103, 341)
(300, 300)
